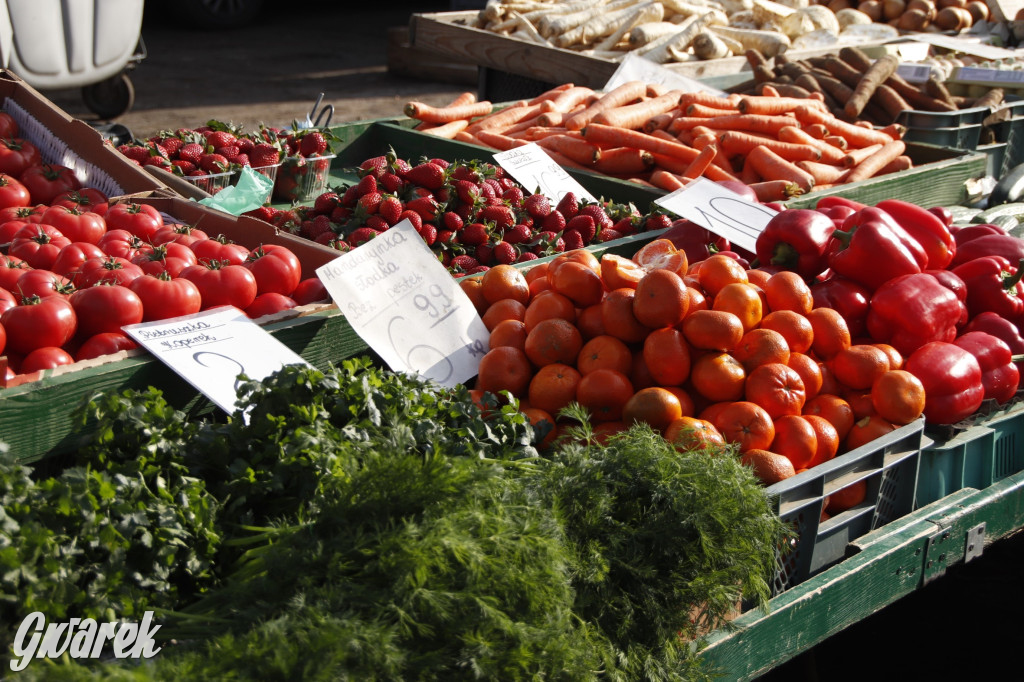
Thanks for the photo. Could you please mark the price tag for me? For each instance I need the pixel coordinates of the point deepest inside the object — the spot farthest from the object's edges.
(538, 172)
(211, 348)
(719, 210)
(636, 68)
(400, 299)
(914, 73)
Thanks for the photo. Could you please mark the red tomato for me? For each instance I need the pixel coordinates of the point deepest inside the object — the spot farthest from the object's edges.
(17, 156)
(107, 270)
(11, 268)
(38, 245)
(220, 250)
(104, 343)
(142, 220)
(7, 300)
(105, 308)
(47, 181)
(163, 296)
(276, 268)
(42, 283)
(76, 224)
(11, 228)
(268, 304)
(171, 258)
(8, 126)
(13, 194)
(29, 214)
(71, 258)
(47, 357)
(178, 233)
(123, 244)
(39, 322)
(310, 290)
(85, 199)
(221, 284)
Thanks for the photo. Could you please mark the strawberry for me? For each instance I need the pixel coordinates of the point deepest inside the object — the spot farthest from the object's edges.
(429, 234)
(370, 202)
(573, 239)
(191, 152)
(390, 209)
(584, 226)
(426, 206)
(228, 151)
(484, 253)
(366, 185)
(376, 166)
(624, 226)
(501, 216)
(339, 244)
(245, 144)
(487, 191)
(264, 154)
(513, 195)
(548, 242)
(478, 269)
(429, 175)
(376, 223)
(135, 152)
(504, 252)
(312, 144)
(494, 185)
(518, 234)
(473, 234)
(361, 235)
(553, 222)
(171, 145)
(537, 205)
(320, 224)
(468, 192)
(185, 167)
(527, 255)
(220, 138)
(213, 163)
(265, 213)
(413, 217)
(608, 235)
(326, 202)
(156, 160)
(464, 211)
(569, 205)
(341, 214)
(446, 236)
(443, 163)
(657, 221)
(452, 221)
(597, 212)
(463, 263)
(391, 182)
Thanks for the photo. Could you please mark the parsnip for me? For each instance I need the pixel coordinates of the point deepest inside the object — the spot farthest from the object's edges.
(529, 31)
(708, 45)
(597, 26)
(642, 14)
(558, 23)
(770, 12)
(849, 17)
(645, 33)
(768, 43)
(810, 19)
(671, 47)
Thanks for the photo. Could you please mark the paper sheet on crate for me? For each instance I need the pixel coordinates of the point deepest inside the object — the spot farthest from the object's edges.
(537, 172)
(719, 210)
(635, 68)
(407, 307)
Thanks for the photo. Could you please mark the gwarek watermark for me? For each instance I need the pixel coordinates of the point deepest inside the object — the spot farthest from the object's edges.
(82, 638)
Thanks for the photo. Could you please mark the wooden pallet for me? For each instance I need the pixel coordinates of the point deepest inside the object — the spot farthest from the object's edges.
(405, 59)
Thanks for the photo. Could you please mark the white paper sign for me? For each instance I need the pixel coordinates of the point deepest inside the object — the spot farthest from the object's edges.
(407, 307)
(535, 170)
(914, 73)
(211, 348)
(965, 45)
(719, 210)
(636, 68)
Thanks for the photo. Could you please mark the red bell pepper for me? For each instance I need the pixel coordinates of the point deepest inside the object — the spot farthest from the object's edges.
(850, 299)
(952, 381)
(994, 324)
(830, 201)
(969, 232)
(926, 228)
(912, 310)
(993, 284)
(951, 281)
(696, 241)
(1009, 247)
(796, 239)
(999, 375)
(872, 249)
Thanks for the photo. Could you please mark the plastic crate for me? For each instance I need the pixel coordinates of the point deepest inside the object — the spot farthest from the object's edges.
(301, 179)
(976, 457)
(914, 118)
(888, 465)
(212, 183)
(995, 155)
(960, 137)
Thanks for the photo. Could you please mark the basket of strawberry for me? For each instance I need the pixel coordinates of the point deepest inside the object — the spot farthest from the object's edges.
(305, 170)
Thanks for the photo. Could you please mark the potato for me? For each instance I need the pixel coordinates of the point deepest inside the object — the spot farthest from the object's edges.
(942, 4)
(953, 19)
(872, 8)
(892, 9)
(979, 10)
(851, 17)
(912, 20)
(926, 6)
(839, 5)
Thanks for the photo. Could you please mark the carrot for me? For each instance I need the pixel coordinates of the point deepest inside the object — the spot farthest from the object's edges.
(870, 166)
(855, 156)
(704, 111)
(470, 138)
(667, 180)
(823, 173)
(624, 160)
(577, 149)
(754, 123)
(795, 135)
(874, 77)
(551, 94)
(432, 114)
(775, 190)
(549, 118)
(737, 142)
(707, 99)
(890, 101)
(771, 106)
(460, 99)
(682, 123)
(900, 163)
(510, 115)
(535, 133)
(489, 138)
(525, 124)
(816, 130)
(568, 99)
(855, 135)
(837, 141)
(701, 163)
(661, 121)
(894, 130)
(634, 116)
(629, 91)
(771, 166)
(749, 175)
(448, 130)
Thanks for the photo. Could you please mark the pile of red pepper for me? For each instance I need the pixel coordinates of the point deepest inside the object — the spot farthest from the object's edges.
(949, 299)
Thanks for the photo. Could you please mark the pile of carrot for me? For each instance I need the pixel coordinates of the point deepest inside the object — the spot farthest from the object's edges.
(780, 146)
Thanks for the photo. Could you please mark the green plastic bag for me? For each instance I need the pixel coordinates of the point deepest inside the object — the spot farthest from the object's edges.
(250, 192)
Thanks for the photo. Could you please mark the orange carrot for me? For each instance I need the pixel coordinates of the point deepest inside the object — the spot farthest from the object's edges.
(737, 142)
(497, 141)
(795, 135)
(524, 125)
(750, 176)
(703, 111)
(462, 98)
(855, 135)
(666, 180)
(575, 148)
(701, 163)
(624, 160)
(551, 94)
(870, 166)
(771, 106)
(682, 123)
(837, 141)
(663, 134)
(753, 123)
(568, 99)
(771, 166)
(549, 118)
(448, 130)
(824, 173)
(900, 163)
(775, 190)
(432, 114)
(503, 118)
(634, 116)
(470, 138)
(616, 97)
(661, 121)
(708, 100)
(816, 130)
(855, 156)
(894, 130)
(538, 132)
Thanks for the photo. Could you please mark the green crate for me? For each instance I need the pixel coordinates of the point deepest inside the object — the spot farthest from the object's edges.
(976, 457)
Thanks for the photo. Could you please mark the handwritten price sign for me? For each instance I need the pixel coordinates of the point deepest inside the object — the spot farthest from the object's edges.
(406, 306)
(537, 172)
(210, 349)
(719, 210)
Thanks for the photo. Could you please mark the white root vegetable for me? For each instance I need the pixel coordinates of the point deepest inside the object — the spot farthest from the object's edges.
(529, 31)
(768, 43)
(557, 24)
(708, 45)
(744, 19)
(849, 17)
(597, 26)
(645, 33)
(673, 47)
(770, 12)
(813, 18)
(643, 14)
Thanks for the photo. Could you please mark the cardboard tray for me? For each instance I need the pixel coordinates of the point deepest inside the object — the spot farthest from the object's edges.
(38, 416)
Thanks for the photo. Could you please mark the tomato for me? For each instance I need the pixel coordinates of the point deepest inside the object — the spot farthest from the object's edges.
(76, 224)
(71, 257)
(8, 126)
(105, 308)
(107, 270)
(276, 268)
(178, 233)
(221, 284)
(268, 304)
(163, 296)
(104, 343)
(29, 214)
(11, 228)
(123, 244)
(171, 258)
(13, 193)
(39, 322)
(84, 199)
(47, 357)
(310, 290)
(43, 283)
(38, 245)
(47, 181)
(7, 300)
(17, 156)
(221, 250)
(11, 268)
(142, 220)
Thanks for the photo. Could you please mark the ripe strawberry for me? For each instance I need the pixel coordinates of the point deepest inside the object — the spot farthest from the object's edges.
(370, 202)
(462, 171)
(537, 205)
(191, 152)
(478, 269)
(527, 255)
(553, 222)
(366, 185)
(583, 225)
(446, 237)
(265, 213)
(573, 240)
(228, 151)
(390, 209)
(484, 253)
(326, 202)
(361, 235)
(213, 163)
(597, 212)
(240, 159)
(429, 234)
(157, 160)
(452, 221)
(657, 221)
(443, 163)
(518, 234)
(185, 167)
(504, 252)
(320, 224)
(625, 226)
(608, 235)
(464, 211)
(376, 166)
(341, 214)
(264, 154)
(494, 185)
(245, 144)
(501, 216)
(413, 217)
(548, 242)
(468, 192)
(220, 138)
(135, 152)
(513, 195)
(463, 263)
(569, 205)
(375, 222)
(473, 234)
(391, 182)
(487, 191)
(429, 175)
(171, 145)
(312, 144)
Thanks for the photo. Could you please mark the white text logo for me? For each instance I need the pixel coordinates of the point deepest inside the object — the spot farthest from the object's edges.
(82, 638)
